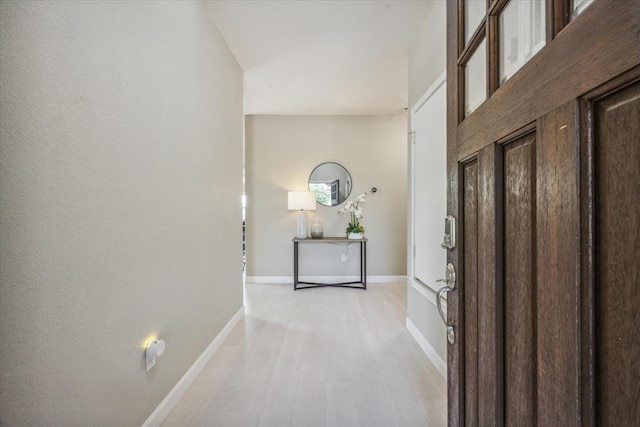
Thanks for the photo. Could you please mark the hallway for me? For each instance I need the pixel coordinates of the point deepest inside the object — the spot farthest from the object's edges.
(318, 357)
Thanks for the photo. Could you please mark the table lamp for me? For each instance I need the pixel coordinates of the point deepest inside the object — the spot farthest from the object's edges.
(302, 201)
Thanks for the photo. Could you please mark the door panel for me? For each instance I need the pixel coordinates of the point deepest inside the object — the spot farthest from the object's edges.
(557, 275)
(470, 291)
(490, 345)
(519, 280)
(617, 168)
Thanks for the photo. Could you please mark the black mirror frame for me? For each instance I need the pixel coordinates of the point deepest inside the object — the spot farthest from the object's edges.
(349, 183)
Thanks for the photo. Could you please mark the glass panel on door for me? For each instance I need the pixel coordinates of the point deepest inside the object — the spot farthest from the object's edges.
(474, 11)
(522, 35)
(579, 6)
(475, 79)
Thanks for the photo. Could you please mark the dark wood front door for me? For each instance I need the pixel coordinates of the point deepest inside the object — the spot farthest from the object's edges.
(544, 179)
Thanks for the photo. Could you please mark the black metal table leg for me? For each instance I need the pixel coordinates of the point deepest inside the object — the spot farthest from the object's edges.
(361, 265)
(295, 266)
(363, 259)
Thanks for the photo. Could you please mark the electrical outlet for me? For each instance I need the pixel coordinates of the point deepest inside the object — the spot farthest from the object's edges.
(343, 257)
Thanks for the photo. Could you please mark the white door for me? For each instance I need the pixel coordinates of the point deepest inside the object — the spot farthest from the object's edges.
(429, 183)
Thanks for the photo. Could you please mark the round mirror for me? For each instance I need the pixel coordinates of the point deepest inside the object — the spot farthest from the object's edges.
(331, 182)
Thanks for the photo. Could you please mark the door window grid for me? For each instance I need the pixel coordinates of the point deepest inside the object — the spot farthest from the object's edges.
(531, 37)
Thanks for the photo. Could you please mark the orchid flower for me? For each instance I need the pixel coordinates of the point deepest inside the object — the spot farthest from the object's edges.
(354, 209)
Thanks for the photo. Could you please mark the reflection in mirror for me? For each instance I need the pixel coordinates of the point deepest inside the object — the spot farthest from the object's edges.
(331, 182)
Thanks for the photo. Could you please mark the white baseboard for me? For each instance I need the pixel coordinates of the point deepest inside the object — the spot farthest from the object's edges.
(269, 279)
(430, 352)
(164, 408)
(324, 279)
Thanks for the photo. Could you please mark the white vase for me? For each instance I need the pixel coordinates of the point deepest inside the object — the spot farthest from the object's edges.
(317, 230)
(354, 236)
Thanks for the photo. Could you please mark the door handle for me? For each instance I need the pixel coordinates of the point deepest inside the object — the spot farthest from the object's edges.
(450, 284)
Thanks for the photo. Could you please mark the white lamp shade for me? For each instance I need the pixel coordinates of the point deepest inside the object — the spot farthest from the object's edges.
(302, 200)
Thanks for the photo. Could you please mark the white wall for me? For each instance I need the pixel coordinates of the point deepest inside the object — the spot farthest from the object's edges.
(428, 53)
(281, 152)
(427, 61)
(121, 175)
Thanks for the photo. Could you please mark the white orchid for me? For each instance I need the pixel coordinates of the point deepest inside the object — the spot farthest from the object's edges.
(354, 209)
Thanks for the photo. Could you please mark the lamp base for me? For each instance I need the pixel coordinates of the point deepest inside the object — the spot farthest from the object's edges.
(302, 230)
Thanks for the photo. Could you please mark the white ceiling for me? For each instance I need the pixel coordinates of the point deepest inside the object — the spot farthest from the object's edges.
(321, 57)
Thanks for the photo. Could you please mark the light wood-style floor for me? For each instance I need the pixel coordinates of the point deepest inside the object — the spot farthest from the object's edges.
(317, 357)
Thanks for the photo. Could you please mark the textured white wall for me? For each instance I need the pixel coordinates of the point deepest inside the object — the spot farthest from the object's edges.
(281, 152)
(428, 52)
(427, 61)
(121, 174)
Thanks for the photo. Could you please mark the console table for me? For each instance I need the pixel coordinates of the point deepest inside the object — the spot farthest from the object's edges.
(363, 263)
